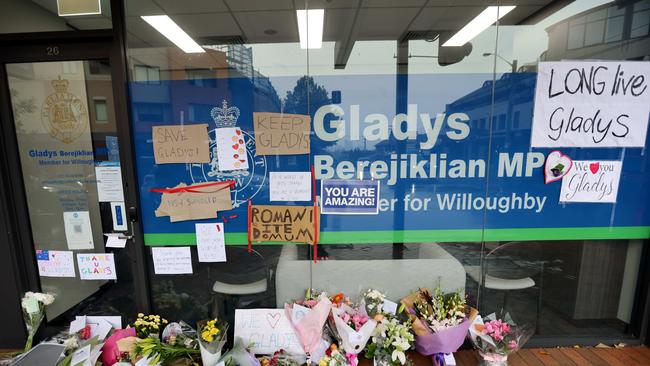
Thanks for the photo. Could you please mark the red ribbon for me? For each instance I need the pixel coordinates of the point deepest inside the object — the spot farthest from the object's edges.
(193, 189)
(250, 206)
(313, 184)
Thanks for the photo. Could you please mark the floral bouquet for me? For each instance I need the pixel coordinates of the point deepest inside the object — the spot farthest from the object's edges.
(333, 357)
(212, 338)
(440, 321)
(281, 358)
(496, 338)
(148, 325)
(240, 355)
(374, 301)
(390, 341)
(353, 328)
(308, 317)
(33, 304)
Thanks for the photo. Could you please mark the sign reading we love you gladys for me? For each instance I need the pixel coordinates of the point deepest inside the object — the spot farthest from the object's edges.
(591, 181)
(450, 167)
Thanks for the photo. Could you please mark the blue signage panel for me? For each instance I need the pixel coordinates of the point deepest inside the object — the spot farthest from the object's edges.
(449, 170)
(349, 197)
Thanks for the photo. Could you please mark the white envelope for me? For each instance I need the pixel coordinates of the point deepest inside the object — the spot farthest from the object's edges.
(353, 341)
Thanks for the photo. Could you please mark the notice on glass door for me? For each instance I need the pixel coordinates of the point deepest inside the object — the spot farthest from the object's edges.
(78, 232)
(96, 266)
(55, 263)
(591, 104)
(172, 260)
(109, 182)
(591, 181)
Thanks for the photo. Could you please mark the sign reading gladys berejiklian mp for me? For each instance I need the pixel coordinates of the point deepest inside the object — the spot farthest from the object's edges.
(349, 197)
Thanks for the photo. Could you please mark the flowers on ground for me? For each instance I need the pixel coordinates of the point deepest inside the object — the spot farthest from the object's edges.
(33, 305)
(146, 325)
(390, 341)
(495, 338)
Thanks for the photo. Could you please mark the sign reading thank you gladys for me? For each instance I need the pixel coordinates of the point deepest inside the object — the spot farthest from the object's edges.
(591, 104)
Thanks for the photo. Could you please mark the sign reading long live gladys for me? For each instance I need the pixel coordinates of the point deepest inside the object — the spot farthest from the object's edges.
(591, 104)
(444, 173)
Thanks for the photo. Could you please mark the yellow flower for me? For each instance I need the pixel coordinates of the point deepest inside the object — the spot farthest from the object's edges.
(209, 339)
(214, 331)
(140, 315)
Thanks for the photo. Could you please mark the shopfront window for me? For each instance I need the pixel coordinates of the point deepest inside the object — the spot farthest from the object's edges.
(446, 130)
(20, 16)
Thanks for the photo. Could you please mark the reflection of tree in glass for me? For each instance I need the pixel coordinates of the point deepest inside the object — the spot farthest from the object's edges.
(21, 107)
(297, 101)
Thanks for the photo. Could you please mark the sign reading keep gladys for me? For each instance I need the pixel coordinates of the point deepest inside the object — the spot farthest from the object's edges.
(348, 197)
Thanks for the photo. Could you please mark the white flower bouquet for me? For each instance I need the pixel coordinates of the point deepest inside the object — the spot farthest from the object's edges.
(33, 305)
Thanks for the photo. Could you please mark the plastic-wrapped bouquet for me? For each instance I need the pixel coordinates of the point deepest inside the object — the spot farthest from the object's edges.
(440, 321)
(33, 305)
(390, 341)
(308, 317)
(496, 338)
(149, 325)
(333, 357)
(212, 338)
(374, 301)
(352, 327)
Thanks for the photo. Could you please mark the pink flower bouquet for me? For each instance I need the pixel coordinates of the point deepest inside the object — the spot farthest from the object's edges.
(354, 328)
(496, 338)
(308, 318)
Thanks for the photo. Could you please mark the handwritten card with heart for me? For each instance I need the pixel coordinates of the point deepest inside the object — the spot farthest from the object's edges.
(267, 330)
(592, 181)
(231, 149)
(556, 167)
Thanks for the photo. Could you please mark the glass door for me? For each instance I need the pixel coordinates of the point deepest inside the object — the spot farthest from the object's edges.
(69, 154)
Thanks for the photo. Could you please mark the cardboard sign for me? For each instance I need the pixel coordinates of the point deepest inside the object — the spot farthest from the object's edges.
(591, 104)
(96, 266)
(268, 330)
(181, 144)
(210, 242)
(290, 186)
(231, 149)
(291, 224)
(349, 197)
(55, 263)
(591, 181)
(172, 260)
(195, 202)
(281, 134)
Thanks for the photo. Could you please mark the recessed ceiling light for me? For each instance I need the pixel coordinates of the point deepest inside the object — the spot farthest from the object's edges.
(168, 28)
(477, 25)
(310, 27)
(270, 32)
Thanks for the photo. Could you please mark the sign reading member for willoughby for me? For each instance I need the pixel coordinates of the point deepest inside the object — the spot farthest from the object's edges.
(591, 104)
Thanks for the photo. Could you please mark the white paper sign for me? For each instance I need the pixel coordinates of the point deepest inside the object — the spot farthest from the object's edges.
(78, 324)
(231, 149)
(80, 355)
(78, 232)
(591, 181)
(55, 263)
(591, 104)
(268, 330)
(389, 307)
(96, 266)
(290, 186)
(114, 320)
(109, 183)
(115, 240)
(172, 260)
(210, 242)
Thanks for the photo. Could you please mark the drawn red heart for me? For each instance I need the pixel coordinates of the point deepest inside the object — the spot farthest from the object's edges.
(554, 158)
(243, 161)
(241, 141)
(594, 167)
(273, 319)
(235, 146)
(238, 132)
(236, 156)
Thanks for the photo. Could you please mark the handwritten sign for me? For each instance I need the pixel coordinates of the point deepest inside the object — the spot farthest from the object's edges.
(281, 134)
(181, 144)
(96, 266)
(268, 330)
(231, 149)
(290, 186)
(55, 263)
(194, 202)
(591, 104)
(591, 181)
(210, 242)
(172, 260)
(350, 197)
(293, 224)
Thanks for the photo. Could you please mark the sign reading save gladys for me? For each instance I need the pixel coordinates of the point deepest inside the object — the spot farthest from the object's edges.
(591, 104)
(291, 224)
(281, 134)
(181, 144)
(346, 197)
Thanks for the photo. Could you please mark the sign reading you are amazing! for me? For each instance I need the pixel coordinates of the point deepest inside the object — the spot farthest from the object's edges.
(591, 104)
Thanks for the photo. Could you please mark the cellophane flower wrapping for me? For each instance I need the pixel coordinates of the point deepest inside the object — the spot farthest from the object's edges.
(212, 336)
(240, 355)
(437, 329)
(496, 337)
(308, 320)
(352, 340)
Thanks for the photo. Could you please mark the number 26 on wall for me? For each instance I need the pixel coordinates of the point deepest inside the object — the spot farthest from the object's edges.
(52, 50)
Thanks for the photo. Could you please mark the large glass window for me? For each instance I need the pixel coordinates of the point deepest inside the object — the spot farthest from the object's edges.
(390, 100)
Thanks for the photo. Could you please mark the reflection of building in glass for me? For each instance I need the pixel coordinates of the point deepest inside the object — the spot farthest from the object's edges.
(611, 31)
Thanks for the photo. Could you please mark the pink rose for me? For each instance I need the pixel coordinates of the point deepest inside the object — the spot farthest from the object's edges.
(512, 344)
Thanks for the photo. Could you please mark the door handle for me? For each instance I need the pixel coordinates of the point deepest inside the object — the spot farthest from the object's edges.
(133, 217)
